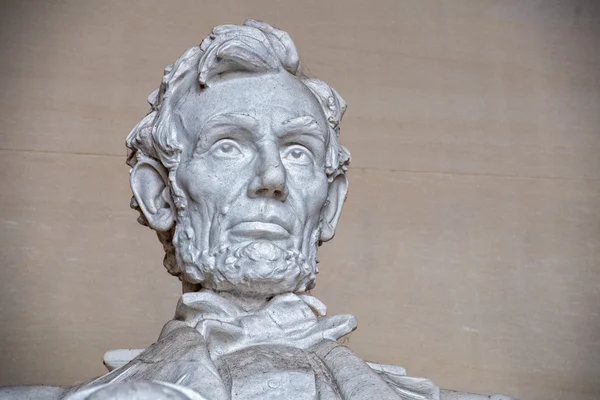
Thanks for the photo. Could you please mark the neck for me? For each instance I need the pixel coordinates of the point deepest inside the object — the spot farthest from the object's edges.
(245, 301)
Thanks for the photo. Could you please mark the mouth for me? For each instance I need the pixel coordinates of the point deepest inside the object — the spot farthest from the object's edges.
(260, 230)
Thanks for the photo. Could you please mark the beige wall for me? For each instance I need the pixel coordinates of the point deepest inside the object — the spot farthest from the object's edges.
(469, 246)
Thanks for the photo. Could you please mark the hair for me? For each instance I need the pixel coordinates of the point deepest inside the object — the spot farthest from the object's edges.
(253, 48)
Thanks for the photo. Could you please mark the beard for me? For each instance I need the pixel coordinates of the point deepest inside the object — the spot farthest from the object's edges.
(256, 267)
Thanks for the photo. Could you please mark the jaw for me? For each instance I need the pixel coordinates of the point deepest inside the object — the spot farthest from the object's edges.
(255, 269)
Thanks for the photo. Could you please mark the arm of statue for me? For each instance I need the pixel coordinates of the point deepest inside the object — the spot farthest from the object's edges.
(179, 356)
(32, 392)
(357, 380)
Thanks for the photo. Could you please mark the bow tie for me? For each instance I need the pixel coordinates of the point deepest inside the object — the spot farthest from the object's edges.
(227, 325)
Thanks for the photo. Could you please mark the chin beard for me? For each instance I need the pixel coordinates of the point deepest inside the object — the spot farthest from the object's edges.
(255, 268)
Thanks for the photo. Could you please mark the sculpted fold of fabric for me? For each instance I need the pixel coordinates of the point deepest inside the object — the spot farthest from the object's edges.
(288, 319)
(179, 356)
(211, 330)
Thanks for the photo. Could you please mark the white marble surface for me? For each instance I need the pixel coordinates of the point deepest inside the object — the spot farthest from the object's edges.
(239, 170)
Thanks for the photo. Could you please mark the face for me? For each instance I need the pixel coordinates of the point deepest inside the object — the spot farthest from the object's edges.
(253, 176)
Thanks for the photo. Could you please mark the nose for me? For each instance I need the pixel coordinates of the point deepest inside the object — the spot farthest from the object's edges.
(270, 176)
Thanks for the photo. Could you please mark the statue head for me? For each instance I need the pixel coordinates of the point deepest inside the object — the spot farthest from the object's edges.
(238, 167)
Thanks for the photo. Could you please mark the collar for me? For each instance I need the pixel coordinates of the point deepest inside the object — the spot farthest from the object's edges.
(229, 324)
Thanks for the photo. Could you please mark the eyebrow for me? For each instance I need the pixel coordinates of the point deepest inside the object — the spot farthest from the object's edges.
(221, 124)
(230, 119)
(305, 125)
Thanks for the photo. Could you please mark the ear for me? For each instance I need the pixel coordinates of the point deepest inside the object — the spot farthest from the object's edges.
(149, 185)
(338, 189)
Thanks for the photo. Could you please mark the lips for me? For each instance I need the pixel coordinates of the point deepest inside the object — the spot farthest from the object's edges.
(262, 227)
(260, 230)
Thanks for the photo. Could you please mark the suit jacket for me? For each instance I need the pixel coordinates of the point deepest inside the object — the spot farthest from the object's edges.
(285, 348)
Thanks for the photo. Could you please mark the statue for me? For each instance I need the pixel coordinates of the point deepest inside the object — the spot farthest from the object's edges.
(239, 170)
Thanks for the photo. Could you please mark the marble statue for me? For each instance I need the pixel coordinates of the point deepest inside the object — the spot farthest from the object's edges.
(239, 169)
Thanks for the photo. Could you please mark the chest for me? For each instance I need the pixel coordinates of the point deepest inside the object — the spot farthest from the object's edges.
(277, 372)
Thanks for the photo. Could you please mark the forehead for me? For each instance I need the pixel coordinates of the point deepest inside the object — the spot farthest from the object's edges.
(271, 99)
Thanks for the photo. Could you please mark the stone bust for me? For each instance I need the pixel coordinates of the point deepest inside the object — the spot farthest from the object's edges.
(238, 166)
(239, 170)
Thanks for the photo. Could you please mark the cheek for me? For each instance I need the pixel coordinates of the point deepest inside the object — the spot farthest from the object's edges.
(309, 192)
(203, 182)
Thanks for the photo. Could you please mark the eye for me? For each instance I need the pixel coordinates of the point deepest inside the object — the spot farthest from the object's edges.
(226, 148)
(297, 154)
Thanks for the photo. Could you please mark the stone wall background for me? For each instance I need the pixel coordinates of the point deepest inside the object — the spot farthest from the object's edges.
(469, 248)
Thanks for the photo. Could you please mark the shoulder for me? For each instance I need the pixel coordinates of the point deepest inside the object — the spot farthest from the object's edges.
(32, 392)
